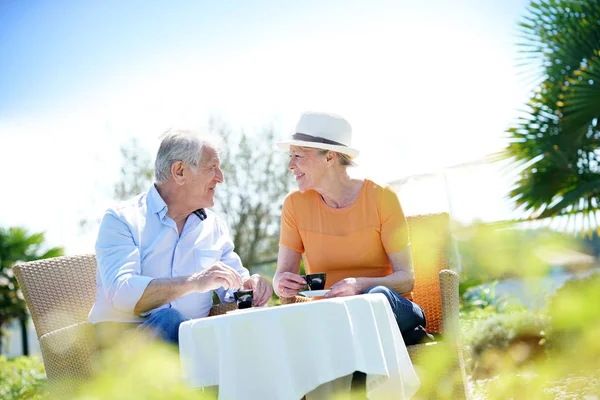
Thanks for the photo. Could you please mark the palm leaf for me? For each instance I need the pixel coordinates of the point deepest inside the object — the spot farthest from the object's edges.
(554, 145)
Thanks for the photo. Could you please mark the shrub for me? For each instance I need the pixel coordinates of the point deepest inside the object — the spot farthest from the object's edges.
(22, 378)
(506, 342)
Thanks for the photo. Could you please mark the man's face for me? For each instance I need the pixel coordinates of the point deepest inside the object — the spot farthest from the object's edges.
(203, 182)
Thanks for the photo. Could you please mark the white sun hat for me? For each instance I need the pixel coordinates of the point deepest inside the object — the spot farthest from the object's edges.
(322, 131)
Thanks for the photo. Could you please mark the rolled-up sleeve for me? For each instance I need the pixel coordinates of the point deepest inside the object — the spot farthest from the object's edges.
(119, 267)
(230, 258)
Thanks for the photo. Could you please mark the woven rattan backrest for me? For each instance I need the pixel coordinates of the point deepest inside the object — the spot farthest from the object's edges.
(429, 239)
(58, 291)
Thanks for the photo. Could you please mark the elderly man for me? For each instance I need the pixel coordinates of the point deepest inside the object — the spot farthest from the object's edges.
(162, 254)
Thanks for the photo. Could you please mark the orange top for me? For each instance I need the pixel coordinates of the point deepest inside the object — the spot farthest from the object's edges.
(345, 242)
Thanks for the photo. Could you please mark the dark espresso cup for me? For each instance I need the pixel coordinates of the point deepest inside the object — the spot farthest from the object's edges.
(243, 298)
(315, 281)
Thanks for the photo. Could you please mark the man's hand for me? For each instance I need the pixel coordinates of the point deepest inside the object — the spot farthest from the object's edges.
(262, 289)
(218, 275)
(345, 287)
(290, 284)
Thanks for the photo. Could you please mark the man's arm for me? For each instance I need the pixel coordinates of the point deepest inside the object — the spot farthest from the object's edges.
(401, 280)
(165, 290)
(162, 291)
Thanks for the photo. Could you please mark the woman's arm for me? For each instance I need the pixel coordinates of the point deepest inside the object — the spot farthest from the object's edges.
(401, 280)
(287, 282)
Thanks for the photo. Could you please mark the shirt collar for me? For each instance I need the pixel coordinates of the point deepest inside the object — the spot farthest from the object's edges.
(156, 203)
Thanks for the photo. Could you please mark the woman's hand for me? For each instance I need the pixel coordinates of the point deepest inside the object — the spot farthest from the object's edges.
(290, 284)
(345, 287)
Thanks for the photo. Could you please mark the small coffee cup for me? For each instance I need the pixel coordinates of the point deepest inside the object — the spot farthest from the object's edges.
(315, 281)
(244, 298)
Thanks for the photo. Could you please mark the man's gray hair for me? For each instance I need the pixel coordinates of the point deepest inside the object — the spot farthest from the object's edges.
(182, 145)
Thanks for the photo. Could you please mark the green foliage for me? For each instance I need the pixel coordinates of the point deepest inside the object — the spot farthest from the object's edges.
(499, 330)
(22, 378)
(575, 312)
(492, 252)
(483, 296)
(547, 353)
(555, 143)
(137, 171)
(137, 368)
(18, 245)
(256, 182)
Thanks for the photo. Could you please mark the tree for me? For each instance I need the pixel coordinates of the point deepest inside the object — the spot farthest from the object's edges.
(137, 171)
(555, 144)
(18, 245)
(256, 181)
(250, 199)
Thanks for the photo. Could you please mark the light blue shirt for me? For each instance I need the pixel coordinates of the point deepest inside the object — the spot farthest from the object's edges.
(138, 242)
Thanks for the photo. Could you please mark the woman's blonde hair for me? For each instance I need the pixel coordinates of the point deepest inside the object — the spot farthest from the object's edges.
(345, 160)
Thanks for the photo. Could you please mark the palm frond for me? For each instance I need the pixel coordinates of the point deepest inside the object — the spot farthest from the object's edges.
(554, 145)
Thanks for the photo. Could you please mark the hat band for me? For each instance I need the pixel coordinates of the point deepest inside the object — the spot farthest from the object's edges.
(315, 139)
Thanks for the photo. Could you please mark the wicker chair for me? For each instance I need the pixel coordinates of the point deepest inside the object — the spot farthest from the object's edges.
(436, 291)
(59, 293)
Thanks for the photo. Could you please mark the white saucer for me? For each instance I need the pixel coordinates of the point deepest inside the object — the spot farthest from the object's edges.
(314, 293)
(238, 311)
(246, 309)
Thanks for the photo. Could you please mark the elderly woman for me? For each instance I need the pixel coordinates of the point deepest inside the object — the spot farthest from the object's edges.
(352, 229)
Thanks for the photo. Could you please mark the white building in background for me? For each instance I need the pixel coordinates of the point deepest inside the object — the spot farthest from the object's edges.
(472, 191)
(468, 192)
(12, 342)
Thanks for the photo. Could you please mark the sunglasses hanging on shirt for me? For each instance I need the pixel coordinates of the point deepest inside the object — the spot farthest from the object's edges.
(200, 213)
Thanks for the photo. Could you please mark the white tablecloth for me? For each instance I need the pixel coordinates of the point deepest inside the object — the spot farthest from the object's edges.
(285, 352)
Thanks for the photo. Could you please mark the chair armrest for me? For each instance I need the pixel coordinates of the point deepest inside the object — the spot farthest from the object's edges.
(67, 353)
(222, 308)
(450, 302)
(451, 326)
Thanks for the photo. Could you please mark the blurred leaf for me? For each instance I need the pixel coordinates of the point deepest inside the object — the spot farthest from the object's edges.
(22, 378)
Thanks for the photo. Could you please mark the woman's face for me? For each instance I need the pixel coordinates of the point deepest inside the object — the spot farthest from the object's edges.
(308, 166)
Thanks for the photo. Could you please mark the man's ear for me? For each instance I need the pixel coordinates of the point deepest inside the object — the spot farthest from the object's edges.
(177, 172)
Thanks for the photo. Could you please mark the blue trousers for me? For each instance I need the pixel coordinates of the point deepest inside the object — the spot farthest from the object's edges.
(164, 324)
(409, 316)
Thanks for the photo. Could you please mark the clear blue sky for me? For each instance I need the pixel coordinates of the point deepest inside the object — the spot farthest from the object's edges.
(426, 85)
